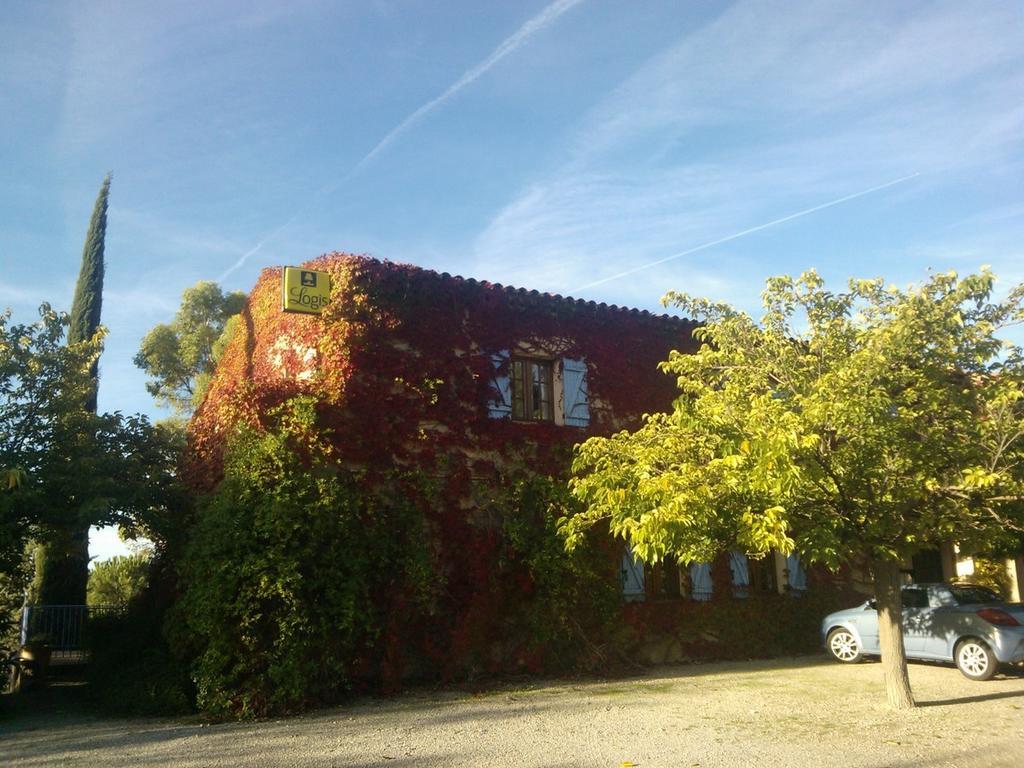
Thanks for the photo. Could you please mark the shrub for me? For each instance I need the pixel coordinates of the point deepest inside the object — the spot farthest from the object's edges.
(303, 579)
(131, 669)
(760, 626)
(284, 570)
(565, 604)
(14, 583)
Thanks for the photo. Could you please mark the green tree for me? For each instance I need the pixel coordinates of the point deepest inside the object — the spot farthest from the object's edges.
(10, 532)
(62, 559)
(14, 570)
(74, 468)
(88, 302)
(181, 355)
(117, 580)
(856, 427)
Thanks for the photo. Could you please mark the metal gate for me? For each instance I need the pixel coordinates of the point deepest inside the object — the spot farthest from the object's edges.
(61, 627)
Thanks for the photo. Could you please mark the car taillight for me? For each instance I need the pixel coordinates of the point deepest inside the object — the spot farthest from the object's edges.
(998, 617)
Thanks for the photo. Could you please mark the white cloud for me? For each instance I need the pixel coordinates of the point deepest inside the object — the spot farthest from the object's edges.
(15, 293)
(806, 60)
(536, 24)
(137, 303)
(182, 237)
(549, 15)
(766, 110)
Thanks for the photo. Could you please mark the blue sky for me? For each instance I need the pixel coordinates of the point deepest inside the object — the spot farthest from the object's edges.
(544, 145)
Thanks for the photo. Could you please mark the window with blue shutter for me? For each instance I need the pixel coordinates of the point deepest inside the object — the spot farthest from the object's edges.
(500, 406)
(574, 385)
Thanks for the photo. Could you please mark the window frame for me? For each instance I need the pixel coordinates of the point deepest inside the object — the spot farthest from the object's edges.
(547, 366)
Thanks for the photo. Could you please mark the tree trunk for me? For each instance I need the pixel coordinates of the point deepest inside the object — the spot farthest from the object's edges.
(886, 574)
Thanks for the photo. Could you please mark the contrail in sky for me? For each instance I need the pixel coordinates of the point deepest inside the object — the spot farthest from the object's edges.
(525, 32)
(546, 17)
(746, 232)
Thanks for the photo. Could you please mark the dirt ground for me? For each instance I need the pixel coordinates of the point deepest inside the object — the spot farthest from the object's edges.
(793, 713)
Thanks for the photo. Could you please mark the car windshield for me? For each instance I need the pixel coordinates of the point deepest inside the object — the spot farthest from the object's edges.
(966, 594)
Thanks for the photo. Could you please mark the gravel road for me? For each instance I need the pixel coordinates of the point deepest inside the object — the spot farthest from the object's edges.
(792, 713)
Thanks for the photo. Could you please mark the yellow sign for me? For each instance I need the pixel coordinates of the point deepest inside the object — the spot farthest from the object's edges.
(303, 290)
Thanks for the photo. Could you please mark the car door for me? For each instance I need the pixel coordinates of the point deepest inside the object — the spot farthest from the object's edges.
(917, 623)
(867, 627)
(945, 623)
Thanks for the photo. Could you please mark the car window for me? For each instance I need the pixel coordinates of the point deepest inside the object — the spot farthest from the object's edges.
(969, 594)
(915, 598)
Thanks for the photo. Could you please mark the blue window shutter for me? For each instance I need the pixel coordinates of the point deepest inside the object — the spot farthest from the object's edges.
(632, 572)
(701, 586)
(740, 571)
(500, 406)
(797, 574)
(574, 386)
(740, 574)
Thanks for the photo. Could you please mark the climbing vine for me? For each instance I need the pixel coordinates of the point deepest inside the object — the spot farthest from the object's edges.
(300, 584)
(400, 365)
(363, 521)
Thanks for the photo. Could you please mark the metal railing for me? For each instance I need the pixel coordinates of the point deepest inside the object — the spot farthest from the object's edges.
(61, 627)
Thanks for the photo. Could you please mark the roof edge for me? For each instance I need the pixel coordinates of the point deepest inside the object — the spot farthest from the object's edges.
(508, 290)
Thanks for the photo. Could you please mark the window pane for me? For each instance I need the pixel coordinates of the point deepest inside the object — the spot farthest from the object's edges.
(536, 393)
(518, 390)
(532, 398)
(548, 407)
(670, 577)
(540, 394)
(974, 595)
(915, 598)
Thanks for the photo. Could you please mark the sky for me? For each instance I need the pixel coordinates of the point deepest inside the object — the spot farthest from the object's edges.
(605, 149)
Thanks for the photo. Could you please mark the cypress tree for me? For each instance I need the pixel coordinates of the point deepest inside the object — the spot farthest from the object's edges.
(62, 559)
(85, 309)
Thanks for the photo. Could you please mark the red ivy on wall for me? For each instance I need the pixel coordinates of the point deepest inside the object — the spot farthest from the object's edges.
(400, 365)
(401, 362)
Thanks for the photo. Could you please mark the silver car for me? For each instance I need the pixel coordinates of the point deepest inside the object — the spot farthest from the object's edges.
(965, 624)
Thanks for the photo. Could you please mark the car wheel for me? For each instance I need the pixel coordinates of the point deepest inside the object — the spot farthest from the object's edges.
(844, 646)
(975, 659)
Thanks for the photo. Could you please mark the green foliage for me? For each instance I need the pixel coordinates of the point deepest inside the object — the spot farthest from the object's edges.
(62, 557)
(280, 581)
(855, 427)
(762, 627)
(43, 383)
(131, 670)
(14, 581)
(75, 468)
(302, 578)
(181, 355)
(117, 580)
(88, 302)
(13, 532)
(572, 599)
(991, 573)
